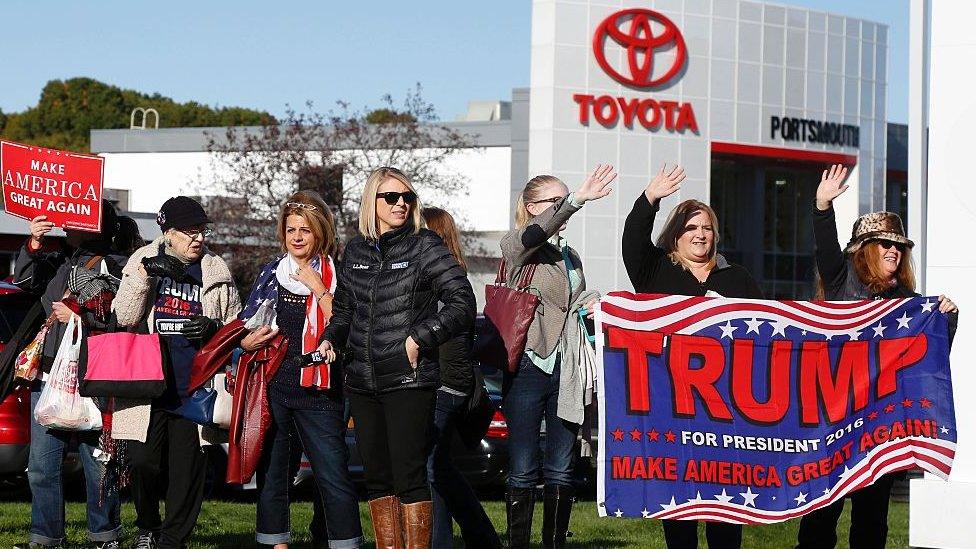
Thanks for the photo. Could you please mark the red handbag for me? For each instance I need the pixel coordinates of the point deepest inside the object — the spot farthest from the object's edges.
(509, 312)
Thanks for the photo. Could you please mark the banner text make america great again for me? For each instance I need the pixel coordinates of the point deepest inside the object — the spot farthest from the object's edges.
(753, 411)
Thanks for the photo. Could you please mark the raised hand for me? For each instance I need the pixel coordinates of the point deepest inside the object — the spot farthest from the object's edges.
(597, 185)
(831, 186)
(39, 227)
(665, 183)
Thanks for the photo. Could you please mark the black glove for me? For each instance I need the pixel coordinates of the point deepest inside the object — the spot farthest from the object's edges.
(165, 265)
(200, 327)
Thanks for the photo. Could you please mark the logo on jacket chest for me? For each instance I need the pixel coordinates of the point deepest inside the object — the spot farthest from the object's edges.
(399, 265)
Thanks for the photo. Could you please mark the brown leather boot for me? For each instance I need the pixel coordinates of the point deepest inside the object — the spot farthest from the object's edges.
(387, 523)
(416, 524)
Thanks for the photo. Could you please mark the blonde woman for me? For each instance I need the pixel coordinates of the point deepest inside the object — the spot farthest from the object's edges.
(307, 409)
(538, 389)
(386, 320)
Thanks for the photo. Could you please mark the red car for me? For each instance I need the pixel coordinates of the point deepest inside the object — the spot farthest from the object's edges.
(15, 409)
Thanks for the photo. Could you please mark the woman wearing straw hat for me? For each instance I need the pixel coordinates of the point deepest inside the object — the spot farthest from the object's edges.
(875, 264)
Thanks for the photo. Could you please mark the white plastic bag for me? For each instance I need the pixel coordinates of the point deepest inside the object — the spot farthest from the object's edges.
(60, 406)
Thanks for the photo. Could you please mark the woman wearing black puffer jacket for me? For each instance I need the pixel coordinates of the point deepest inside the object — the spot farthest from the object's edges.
(386, 319)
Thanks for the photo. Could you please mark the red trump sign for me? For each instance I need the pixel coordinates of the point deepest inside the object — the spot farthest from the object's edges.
(64, 186)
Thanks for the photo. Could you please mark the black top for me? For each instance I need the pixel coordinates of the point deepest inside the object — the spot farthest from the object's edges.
(651, 270)
(456, 364)
(389, 290)
(285, 387)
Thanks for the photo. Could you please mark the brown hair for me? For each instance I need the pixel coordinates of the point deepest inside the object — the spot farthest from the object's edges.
(442, 223)
(529, 194)
(367, 206)
(318, 216)
(867, 266)
(674, 227)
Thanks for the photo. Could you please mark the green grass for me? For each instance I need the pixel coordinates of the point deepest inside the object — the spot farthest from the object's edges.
(225, 525)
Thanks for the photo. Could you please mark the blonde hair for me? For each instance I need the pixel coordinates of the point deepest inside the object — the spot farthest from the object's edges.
(368, 225)
(530, 193)
(319, 219)
(442, 223)
(675, 227)
(867, 266)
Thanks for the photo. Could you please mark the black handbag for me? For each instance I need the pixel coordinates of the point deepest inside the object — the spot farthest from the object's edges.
(481, 409)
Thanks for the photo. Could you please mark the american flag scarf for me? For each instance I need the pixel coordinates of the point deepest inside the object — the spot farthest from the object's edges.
(266, 289)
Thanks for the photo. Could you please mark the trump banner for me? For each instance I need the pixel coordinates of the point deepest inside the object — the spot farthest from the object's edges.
(64, 186)
(751, 411)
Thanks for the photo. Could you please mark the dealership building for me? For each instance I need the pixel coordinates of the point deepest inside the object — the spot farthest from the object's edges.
(753, 99)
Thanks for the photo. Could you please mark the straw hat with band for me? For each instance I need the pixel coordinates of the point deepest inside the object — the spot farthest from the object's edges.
(877, 226)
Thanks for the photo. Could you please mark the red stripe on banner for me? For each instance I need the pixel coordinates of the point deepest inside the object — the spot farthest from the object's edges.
(889, 455)
(830, 304)
(748, 308)
(663, 310)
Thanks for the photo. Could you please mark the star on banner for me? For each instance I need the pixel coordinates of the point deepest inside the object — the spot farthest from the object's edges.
(826, 491)
(653, 435)
(800, 499)
(753, 326)
(907, 403)
(728, 329)
(879, 329)
(669, 506)
(927, 306)
(853, 334)
(903, 320)
(846, 473)
(889, 408)
(925, 403)
(873, 416)
(723, 497)
(669, 436)
(645, 513)
(749, 497)
(618, 513)
(779, 327)
(635, 435)
(618, 434)
(696, 499)
(944, 430)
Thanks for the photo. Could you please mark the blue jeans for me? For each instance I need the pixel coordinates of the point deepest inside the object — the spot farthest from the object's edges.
(529, 395)
(322, 434)
(451, 494)
(47, 450)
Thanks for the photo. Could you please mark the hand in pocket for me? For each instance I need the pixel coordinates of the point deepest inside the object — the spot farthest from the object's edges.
(413, 351)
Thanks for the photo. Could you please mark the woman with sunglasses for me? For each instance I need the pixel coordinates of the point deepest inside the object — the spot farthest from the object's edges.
(875, 264)
(533, 392)
(178, 288)
(401, 295)
(306, 405)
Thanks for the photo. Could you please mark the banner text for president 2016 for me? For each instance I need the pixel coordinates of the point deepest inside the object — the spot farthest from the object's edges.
(753, 411)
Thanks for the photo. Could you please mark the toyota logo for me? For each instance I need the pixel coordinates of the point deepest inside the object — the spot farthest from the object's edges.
(632, 29)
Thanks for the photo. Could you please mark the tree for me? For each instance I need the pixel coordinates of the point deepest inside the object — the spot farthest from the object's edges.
(68, 110)
(330, 152)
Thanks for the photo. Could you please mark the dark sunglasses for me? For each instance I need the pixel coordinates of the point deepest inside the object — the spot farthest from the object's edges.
(888, 244)
(553, 200)
(392, 198)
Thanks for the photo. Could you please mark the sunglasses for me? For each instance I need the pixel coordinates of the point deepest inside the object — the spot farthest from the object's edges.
(888, 244)
(552, 200)
(392, 198)
(301, 205)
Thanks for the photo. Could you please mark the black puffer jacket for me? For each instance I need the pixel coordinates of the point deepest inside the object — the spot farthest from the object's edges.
(389, 290)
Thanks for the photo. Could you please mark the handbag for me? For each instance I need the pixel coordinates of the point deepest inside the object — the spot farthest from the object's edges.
(123, 364)
(474, 424)
(509, 312)
(209, 406)
(60, 406)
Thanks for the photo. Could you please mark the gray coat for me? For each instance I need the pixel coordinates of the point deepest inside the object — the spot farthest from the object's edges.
(530, 245)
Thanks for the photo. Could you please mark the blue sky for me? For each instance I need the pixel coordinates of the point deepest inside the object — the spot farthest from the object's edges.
(265, 55)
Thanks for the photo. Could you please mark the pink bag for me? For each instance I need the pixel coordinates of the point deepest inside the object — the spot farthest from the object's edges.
(122, 364)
